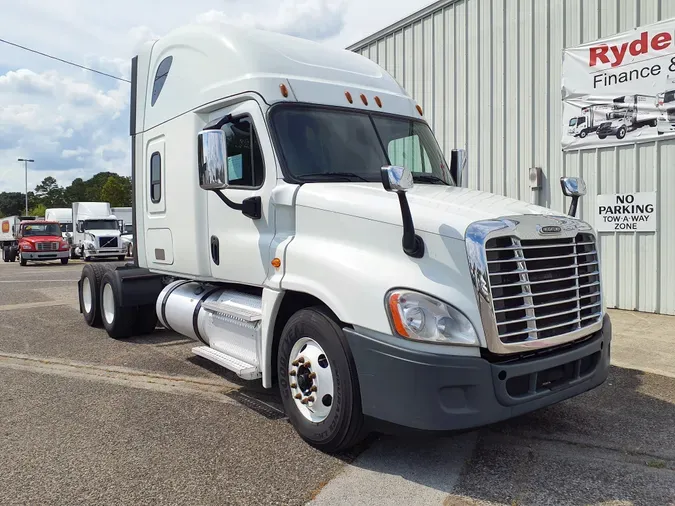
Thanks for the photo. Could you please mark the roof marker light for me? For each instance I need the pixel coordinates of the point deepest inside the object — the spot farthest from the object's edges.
(364, 99)
(349, 97)
(284, 90)
(419, 110)
(378, 101)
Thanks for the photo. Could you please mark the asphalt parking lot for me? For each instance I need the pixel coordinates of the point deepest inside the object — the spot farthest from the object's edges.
(86, 419)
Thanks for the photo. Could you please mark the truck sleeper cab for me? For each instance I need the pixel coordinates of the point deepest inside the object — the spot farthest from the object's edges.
(295, 216)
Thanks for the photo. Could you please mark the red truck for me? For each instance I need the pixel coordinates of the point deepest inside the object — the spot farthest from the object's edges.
(41, 240)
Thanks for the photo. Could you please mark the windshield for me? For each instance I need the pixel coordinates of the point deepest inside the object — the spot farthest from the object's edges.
(36, 229)
(320, 144)
(573, 121)
(66, 227)
(100, 225)
(668, 96)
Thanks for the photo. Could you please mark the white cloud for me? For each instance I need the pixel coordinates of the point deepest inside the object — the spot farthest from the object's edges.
(74, 122)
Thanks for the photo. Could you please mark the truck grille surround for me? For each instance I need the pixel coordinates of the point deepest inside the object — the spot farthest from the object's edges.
(537, 281)
(47, 246)
(107, 242)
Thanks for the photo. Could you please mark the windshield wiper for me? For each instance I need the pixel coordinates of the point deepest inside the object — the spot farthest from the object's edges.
(345, 175)
(428, 178)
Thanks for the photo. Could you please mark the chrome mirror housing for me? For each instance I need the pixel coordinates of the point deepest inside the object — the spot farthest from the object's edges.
(212, 159)
(573, 186)
(396, 179)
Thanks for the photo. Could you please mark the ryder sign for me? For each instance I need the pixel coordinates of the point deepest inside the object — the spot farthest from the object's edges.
(621, 89)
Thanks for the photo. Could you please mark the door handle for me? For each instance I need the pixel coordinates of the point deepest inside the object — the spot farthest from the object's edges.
(215, 250)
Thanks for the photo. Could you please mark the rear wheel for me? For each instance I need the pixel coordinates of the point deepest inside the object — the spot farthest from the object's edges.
(118, 321)
(90, 283)
(318, 381)
(5, 254)
(621, 133)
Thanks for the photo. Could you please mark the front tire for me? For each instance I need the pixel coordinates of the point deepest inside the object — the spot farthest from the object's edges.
(621, 133)
(318, 381)
(22, 260)
(118, 321)
(64, 261)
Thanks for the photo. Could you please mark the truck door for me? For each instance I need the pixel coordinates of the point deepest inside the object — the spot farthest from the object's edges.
(239, 245)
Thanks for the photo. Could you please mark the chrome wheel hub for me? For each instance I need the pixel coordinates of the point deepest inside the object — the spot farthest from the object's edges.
(311, 380)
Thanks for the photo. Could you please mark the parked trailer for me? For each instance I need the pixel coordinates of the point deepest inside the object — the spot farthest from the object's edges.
(9, 240)
(284, 224)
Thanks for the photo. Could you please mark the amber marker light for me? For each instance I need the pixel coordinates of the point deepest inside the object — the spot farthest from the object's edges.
(284, 90)
(364, 99)
(276, 263)
(396, 315)
(419, 110)
(349, 97)
(378, 102)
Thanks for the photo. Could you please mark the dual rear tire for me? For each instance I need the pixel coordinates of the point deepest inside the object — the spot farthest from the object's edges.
(100, 302)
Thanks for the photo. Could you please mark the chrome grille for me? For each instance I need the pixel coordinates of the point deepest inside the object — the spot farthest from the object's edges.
(543, 288)
(47, 246)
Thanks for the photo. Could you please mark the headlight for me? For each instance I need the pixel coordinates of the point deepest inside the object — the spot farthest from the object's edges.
(422, 318)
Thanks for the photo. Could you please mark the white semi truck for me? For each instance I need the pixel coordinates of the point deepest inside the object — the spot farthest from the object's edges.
(125, 215)
(295, 216)
(64, 216)
(629, 113)
(97, 232)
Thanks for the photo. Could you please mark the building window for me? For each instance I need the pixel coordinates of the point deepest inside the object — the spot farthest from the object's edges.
(245, 166)
(155, 177)
(160, 78)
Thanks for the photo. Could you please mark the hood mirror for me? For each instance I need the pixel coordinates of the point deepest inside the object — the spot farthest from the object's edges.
(574, 187)
(399, 180)
(458, 166)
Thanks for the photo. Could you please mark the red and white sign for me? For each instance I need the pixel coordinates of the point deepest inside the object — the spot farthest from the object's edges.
(621, 89)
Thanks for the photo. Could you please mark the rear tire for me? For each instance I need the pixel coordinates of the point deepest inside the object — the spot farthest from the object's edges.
(342, 425)
(118, 321)
(5, 254)
(89, 287)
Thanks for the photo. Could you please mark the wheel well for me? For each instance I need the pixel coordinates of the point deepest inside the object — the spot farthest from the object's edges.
(291, 303)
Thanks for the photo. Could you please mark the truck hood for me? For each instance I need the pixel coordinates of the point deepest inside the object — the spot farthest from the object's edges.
(436, 209)
(103, 233)
(42, 238)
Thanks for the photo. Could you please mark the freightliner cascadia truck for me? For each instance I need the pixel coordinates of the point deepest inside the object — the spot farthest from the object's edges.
(295, 216)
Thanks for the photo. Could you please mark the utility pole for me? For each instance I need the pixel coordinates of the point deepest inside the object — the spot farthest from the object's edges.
(25, 164)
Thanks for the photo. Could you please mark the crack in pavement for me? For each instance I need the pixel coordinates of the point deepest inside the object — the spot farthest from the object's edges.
(134, 378)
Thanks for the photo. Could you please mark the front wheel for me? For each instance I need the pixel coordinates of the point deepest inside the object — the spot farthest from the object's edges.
(583, 134)
(318, 381)
(64, 261)
(22, 260)
(621, 133)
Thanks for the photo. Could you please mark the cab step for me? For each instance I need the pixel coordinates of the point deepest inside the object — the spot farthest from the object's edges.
(238, 306)
(240, 368)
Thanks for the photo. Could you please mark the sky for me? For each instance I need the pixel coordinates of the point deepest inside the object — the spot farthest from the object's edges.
(75, 123)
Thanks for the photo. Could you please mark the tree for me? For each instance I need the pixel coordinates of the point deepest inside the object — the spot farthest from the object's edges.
(49, 193)
(114, 191)
(12, 203)
(39, 210)
(76, 192)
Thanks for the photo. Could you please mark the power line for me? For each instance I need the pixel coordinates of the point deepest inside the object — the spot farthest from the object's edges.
(64, 61)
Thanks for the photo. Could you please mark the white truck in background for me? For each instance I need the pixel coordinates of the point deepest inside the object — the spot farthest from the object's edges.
(97, 231)
(126, 215)
(9, 236)
(589, 120)
(283, 222)
(64, 216)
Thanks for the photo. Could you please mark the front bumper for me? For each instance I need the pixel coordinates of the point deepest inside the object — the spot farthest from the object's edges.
(46, 255)
(106, 253)
(665, 126)
(428, 391)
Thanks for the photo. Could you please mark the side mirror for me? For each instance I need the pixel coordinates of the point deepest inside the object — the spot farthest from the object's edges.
(458, 166)
(574, 187)
(399, 180)
(396, 179)
(79, 227)
(212, 159)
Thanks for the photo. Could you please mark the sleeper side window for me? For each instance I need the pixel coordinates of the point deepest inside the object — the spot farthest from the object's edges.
(245, 167)
(155, 177)
(160, 78)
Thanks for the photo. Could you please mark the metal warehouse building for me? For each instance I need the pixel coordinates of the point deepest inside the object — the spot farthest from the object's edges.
(488, 75)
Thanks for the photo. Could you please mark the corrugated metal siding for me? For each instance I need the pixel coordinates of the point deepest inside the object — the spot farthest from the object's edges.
(488, 73)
